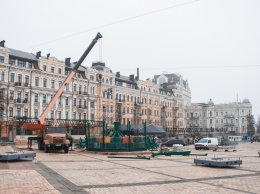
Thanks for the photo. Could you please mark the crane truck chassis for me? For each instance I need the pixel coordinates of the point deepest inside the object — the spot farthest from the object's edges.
(53, 137)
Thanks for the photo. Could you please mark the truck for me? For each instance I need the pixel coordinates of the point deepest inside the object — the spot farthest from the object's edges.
(55, 137)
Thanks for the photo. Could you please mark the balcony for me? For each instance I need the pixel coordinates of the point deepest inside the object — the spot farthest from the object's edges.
(82, 93)
(81, 106)
(164, 107)
(120, 101)
(120, 113)
(229, 116)
(21, 101)
(175, 108)
(229, 124)
(175, 117)
(192, 117)
(21, 84)
(138, 103)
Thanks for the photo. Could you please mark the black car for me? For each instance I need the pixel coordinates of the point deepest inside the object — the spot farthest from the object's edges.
(170, 142)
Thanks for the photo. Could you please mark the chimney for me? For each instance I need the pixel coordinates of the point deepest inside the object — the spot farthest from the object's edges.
(38, 54)
(132, 77)
(2, 43)
(117, 74)
(137, 74)
(67, 62)
(48, 55)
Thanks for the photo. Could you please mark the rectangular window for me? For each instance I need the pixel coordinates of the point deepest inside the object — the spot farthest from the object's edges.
(85, 116)
(3, 76)
(59, 70)
(36, 81)
(29, 65)
(35, 97)
(75, 87)
(52, 114)
(21, 63)
(43, 98)
(2, 59)
(11, 94)
(52, 69)
(74, 116)
(80, 88)
(67, 115)
(74, 101)
(27, 79)
(35, 113)
(66, 101)
(59, 115)
(60, 84)
(25, 112)
(44, 67)
(45, 83)
(91, 78)
(67, 87)
(11, 112)
(12, 77)
(52, 83)
(12, 62)
(18, 112)
(20, 78)
(26, 94)
(92, 117)
(92, 104)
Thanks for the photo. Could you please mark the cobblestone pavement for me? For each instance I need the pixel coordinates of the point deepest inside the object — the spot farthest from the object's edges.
(83, 172)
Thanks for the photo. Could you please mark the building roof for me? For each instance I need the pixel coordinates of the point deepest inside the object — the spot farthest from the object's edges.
(172, 78)
(22, 54)
(246, 100)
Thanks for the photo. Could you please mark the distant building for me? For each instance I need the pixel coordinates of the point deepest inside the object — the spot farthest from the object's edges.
(231, 116)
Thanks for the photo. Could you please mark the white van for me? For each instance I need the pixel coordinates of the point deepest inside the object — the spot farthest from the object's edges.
(206, 143)
(234, 138)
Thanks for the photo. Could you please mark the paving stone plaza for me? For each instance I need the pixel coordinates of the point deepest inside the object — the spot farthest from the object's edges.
(82, 172)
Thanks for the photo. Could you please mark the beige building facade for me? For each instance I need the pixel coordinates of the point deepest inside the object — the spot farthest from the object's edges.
(29, 81)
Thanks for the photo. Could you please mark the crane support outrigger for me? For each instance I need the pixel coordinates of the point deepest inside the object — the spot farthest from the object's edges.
(55, 137)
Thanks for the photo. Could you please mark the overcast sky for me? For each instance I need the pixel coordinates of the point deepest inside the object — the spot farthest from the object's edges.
(214, 44)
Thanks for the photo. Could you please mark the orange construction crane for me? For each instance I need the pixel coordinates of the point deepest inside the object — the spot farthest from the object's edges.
(48, 135)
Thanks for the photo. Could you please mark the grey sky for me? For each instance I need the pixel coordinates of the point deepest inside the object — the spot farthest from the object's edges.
(214, 44)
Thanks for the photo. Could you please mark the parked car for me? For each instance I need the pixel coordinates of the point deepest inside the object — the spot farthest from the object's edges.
(170, 142)
(206, 143)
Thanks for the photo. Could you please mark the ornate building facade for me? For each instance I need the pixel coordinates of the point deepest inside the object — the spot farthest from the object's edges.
(29, 81)
(231, 117)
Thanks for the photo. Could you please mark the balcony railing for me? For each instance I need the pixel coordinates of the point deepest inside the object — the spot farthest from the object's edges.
(175, 108)
(228, 116)
(229, 124)
(82, 106)
(120, 101)
(82, 93)
(21, 84)
(19, 100)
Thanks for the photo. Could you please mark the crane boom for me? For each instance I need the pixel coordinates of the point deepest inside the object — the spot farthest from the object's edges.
(67, 80)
